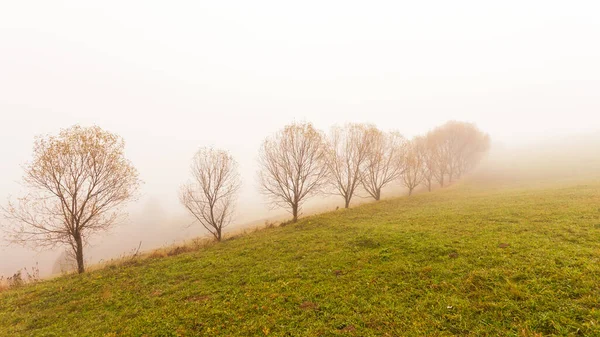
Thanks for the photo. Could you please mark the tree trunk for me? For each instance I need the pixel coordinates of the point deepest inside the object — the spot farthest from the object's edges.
(410, 190)
(347, 202)
(377, 195)
(442, 181)
(218, 236)
(429, 185)
(79, 253)
(295, 212)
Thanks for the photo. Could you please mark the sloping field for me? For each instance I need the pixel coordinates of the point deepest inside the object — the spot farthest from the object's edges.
(467, 260)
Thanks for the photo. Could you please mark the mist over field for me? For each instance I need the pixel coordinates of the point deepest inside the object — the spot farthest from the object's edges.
(157, 222)
(172, 78)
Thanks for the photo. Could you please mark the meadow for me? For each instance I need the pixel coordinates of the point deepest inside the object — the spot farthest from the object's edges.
(473, 259)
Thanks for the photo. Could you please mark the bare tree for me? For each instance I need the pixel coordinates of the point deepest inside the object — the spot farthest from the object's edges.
(430, 160)
(413, 165)
(472, 147)
(384, 162)
(79, 181)
(211, 194)
(452, 135)
(292, 166)
(457, 148)
(440, 150)
(347, 150)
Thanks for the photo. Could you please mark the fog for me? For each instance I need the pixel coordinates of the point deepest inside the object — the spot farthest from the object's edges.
(171, 77)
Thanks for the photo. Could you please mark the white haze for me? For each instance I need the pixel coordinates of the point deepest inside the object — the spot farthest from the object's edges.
(173, 76)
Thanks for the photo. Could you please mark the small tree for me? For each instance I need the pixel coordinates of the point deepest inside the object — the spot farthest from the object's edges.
(211, 194)
(79, 181)
(347, 151)
(292, 166)
(384, 162)
(413, 165)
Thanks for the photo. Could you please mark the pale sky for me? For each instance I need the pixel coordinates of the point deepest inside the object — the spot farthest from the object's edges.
(170, 76)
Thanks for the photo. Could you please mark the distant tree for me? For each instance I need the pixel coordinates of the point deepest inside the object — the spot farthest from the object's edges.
(65, 263)
(458, 147)
(292, 166)
(384, 162)
(412, 175)
(474, 145)
(211, 194)
(441, 155)
(347, 150)
(440, 143)
(79, 181)
(430, 160)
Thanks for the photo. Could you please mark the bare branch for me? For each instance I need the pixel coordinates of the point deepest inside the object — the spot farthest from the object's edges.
(348, 148)
(384, 162)
(457, 147)
(291, 166)
(79, 181)
(413, 165)
(211, 194)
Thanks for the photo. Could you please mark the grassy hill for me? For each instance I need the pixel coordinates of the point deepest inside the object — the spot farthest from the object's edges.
(468, 260)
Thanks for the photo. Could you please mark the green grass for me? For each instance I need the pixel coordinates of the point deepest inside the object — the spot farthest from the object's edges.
(467, 260)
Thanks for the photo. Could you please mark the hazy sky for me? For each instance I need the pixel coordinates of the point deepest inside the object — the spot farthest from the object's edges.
(170, 76)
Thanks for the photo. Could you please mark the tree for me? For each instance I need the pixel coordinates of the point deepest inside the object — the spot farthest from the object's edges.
(384, 161)
(79, 181)
(458, 148)
(413, 165)
(440, 153)
(472, 147)
(292, 166)
(430, 160)
(211, 194)
(347, 151)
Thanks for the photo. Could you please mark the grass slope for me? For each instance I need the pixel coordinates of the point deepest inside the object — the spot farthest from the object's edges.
(460, 261)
